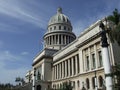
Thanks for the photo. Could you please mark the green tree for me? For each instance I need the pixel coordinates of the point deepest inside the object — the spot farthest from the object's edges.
(114, 33)
(116, 74)
(19, 80)
(66, 86)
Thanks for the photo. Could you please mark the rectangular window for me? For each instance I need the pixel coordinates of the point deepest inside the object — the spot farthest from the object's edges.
(100, 59)
(87, 63)
(93, 61)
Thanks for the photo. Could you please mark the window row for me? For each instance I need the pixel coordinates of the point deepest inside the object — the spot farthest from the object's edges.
(79, 85)
(93, 60)
(59, 28)
(100, 83)
(92, 57)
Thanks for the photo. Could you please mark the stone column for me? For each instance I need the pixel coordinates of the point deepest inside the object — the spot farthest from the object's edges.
(58, 71)
(58, 39)
(48, 40)
(68, 67)
(65, 39)
(72, 66)
(65, 68)
(55, 72)
(76, 64)
(55, 39)
(96, 60)
(62, 39)
(52, 39)
(90, 63)
(62, 69)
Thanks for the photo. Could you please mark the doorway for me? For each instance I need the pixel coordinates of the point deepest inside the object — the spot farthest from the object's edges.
(38, 87)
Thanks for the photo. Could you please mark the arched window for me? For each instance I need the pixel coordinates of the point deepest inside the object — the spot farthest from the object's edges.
(100, 81)
(38, 87)
(68, 29)
(87, 83)
(64, 27)
(73, 84)
(57, 86)
(78, 83)
(50, 28)
(59, 27)
(63, 18)
(54, 86)
(93, 82)
(54, 27)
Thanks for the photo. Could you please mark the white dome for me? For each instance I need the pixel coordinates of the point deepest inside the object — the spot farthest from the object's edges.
(59, 18)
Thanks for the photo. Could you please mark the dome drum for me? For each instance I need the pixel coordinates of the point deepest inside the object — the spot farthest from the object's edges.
(59, 27)
(59, 32)
(58, 39)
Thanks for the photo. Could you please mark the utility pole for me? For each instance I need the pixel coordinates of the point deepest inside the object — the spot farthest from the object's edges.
(106, 58)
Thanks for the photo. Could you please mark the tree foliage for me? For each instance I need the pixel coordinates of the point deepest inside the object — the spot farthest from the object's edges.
(114, 33)
(6, 86)
(65, 86)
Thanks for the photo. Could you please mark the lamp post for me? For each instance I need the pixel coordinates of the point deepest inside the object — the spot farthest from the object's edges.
(96, 88)
(33, 87)
(83, 88)
(105, 58)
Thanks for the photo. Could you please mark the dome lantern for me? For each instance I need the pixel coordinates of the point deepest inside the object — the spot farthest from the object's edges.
(59, 10)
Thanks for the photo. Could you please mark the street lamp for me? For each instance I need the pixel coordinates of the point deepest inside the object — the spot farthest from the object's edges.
(96, 88)
(34, 74)
(105, 58)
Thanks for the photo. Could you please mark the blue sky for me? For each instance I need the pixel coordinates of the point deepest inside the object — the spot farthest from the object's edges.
(24, 22)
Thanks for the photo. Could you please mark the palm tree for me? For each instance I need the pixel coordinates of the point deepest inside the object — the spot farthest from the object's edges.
(114, 33)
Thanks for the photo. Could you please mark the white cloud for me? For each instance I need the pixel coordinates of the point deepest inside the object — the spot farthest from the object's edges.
(8, 74)
(24, 53)
(8, 56)
(17, 9)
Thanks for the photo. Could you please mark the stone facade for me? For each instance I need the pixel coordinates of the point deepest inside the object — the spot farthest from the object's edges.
(67, 58)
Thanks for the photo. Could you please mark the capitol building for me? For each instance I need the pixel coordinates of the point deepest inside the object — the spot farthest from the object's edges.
(67, 58)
